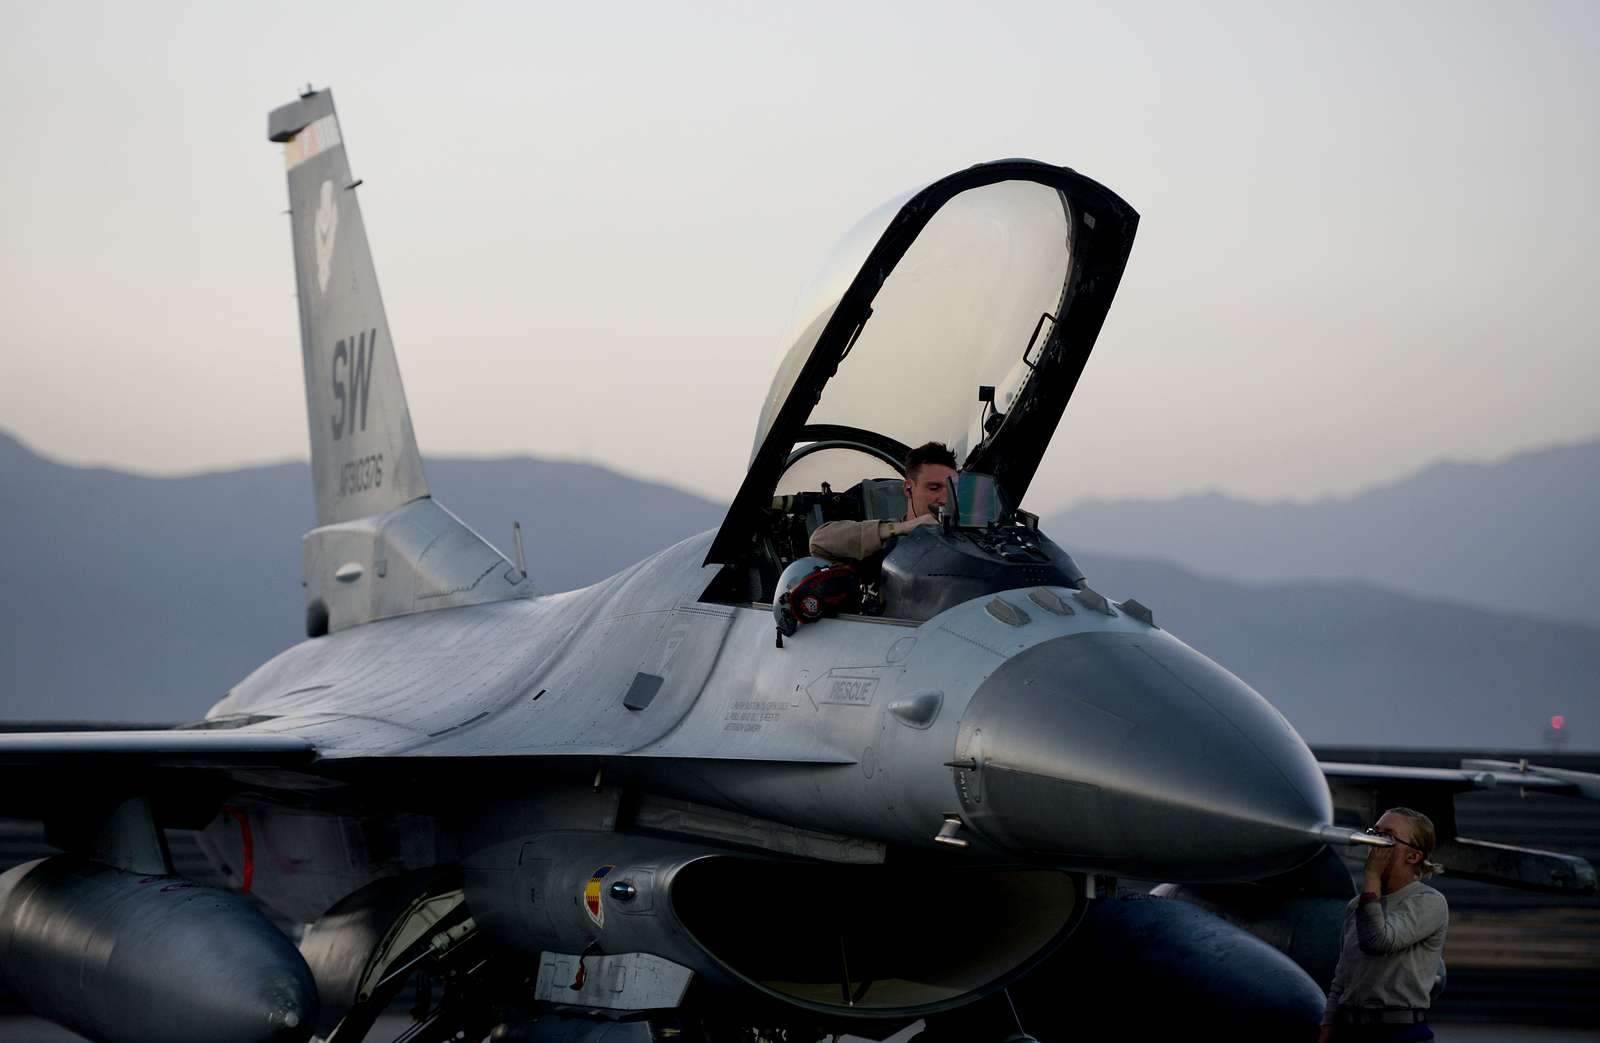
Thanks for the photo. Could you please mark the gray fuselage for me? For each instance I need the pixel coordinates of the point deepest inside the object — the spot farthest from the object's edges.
(1057, 727)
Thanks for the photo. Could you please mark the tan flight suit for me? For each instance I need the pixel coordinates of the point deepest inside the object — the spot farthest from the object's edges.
(850, 540)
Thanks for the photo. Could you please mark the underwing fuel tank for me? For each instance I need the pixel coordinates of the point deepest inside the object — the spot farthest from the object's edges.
(1134, 752)
(123, 957)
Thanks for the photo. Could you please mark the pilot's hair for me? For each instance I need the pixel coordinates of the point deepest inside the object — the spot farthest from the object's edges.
(929, 453)
(1423, 836)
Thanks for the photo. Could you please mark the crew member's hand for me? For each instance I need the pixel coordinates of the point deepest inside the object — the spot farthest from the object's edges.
(1378, 861)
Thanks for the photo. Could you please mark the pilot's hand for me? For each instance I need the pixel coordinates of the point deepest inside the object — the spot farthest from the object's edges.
(900, 528)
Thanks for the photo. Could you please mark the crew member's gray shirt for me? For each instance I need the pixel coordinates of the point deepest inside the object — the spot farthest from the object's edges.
(1391, 952)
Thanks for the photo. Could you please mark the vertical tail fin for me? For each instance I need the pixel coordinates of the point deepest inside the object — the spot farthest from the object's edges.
(364, 458)
(382, 547)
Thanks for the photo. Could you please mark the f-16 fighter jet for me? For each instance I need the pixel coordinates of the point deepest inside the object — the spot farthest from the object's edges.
(733, 792)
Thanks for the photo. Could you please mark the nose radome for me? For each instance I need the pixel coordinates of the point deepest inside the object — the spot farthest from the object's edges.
(1133, 753)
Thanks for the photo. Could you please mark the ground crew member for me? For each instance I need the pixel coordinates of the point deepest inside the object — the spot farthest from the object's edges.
(1391, 953)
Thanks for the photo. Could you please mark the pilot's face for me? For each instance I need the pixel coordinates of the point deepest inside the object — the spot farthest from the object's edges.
(927, 488)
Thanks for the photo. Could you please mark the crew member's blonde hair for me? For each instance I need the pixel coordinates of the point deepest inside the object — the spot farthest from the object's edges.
(1424, 837)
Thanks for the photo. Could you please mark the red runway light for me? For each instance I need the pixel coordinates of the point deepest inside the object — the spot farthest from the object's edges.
(1558, 722)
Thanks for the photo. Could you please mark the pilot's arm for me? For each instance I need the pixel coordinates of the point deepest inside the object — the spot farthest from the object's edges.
(857, 540)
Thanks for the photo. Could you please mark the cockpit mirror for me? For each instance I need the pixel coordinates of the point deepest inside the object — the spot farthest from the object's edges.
(974, 502)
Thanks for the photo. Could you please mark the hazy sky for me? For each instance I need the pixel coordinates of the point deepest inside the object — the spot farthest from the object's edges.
(1370, 232)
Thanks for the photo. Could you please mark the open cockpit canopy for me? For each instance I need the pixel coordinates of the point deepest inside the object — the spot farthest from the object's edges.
(962, 313)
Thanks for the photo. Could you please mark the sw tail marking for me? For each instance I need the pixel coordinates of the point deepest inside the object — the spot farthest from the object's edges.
(353, 354)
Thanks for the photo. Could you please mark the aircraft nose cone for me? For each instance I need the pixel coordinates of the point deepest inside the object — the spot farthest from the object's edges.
(1135, 754)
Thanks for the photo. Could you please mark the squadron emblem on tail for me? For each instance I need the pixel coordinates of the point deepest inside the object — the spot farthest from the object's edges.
(327, 225)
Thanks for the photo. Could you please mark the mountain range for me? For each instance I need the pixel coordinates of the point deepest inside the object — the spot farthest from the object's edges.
(1353, 663)
(139, 598)
(1521, 535)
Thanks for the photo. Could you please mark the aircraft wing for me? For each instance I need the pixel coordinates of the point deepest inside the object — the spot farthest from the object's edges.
(1362, 792)
(1473, 774)
(157, 748)
(43, 770)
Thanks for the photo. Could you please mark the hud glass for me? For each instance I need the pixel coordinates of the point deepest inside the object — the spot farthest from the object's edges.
(975, 501)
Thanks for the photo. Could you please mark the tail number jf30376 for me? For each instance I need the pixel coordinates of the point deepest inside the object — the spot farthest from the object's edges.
(358, 476)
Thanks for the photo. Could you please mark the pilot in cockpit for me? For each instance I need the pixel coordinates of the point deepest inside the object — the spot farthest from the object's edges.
(927, 486)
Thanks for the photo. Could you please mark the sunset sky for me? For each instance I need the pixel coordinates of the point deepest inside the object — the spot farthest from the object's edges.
(1370, 232)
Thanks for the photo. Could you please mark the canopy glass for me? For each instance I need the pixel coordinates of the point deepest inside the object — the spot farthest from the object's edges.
(961, 313)
(956, 314)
